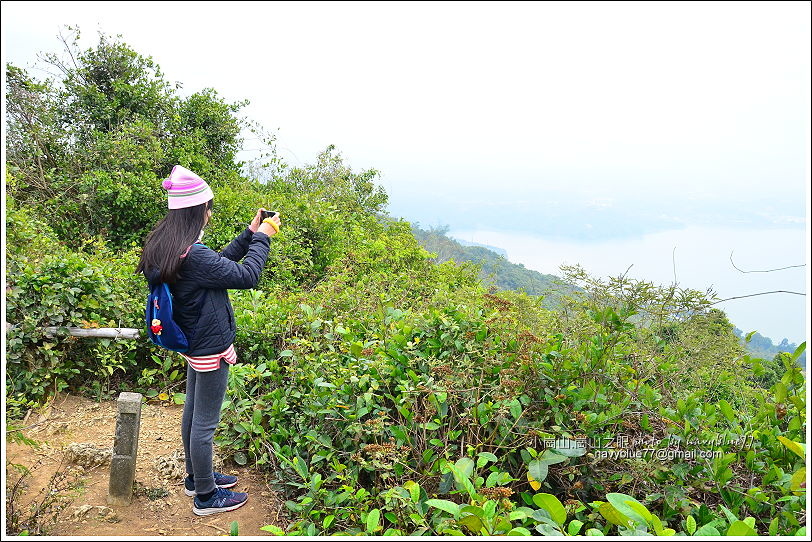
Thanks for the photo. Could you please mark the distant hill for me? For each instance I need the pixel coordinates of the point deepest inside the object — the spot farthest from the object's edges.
(763, 347)
(496, 269)
(501, 251)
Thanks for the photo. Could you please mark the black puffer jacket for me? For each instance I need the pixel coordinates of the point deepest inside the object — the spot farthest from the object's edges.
(200, 296)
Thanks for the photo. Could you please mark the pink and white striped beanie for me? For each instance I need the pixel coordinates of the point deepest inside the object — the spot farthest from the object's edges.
(186, 189)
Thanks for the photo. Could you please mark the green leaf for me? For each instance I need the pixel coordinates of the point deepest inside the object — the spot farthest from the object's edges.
(707, 530)
(574, 527)
(466, 466)
(621, 503)
(475, 510)
(547, 529)
(796, 481)
(472, 522)
(740, 528)
(515, 409)
(799, 351)
(727, 410)
(240, 458)
(614, 517)
(773, 529)
(462, 479)
(690, 524)
(519, 531)
(538, 470)
(642, 510)
(399, 433)
(489, 509)
(780, 392)
(484, 457)
(551, 504)
(273, 529)
(798, 448)
(300, 466)
(656, 523)
(356, 348)
(749, 336)
(286, 353)
(731, 517)
(568, 447)
(594, 532)
(234, 529)
(373, 518)
(795, 423)
(520, 514)
(328, 521)
(414, 490)
(802, 530)
(446, 506)
(551, 458)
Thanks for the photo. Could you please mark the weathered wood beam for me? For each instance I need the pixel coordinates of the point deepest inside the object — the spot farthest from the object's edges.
(99, 332)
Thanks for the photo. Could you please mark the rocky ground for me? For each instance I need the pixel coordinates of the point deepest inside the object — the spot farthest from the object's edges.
(75, 441)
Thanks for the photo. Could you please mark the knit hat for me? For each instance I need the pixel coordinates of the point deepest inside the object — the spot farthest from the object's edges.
(186, 189)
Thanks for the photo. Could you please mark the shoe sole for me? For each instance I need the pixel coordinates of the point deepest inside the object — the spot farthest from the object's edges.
(192, 492)
(210, 511)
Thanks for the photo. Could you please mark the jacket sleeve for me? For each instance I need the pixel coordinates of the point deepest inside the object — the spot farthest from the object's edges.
(238, 247)
(213, 270)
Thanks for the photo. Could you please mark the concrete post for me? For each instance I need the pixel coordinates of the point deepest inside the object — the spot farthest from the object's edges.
(125, 449)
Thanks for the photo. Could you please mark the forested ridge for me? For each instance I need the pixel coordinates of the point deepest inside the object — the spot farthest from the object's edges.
(499, 273)
(382, 391)
(495, 269)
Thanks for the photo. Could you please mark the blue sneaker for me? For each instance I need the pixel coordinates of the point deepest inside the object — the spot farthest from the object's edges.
(221, 480)
(223, 500)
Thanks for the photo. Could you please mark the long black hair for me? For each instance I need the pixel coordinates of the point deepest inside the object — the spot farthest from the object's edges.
(169, 239)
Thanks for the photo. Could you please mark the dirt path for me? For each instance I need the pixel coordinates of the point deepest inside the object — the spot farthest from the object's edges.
(160, 506)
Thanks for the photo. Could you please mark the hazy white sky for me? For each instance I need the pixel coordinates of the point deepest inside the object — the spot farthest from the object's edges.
(579, 121)
(605, 99)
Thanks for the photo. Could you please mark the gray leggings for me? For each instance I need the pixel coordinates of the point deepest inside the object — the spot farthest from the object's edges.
(201, 414)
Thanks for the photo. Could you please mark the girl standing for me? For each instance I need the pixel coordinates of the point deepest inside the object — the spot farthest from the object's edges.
(199, 279)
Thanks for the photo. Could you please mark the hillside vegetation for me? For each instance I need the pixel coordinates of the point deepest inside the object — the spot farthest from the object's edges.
(383, 392)
(495, 269)
(760, 346)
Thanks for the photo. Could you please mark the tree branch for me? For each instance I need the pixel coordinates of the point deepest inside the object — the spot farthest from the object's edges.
(760, 293)
(762, 271)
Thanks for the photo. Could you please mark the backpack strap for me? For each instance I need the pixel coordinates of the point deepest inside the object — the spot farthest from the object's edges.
(190, 248)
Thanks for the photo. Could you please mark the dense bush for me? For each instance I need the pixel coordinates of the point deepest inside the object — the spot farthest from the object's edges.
(93, 145)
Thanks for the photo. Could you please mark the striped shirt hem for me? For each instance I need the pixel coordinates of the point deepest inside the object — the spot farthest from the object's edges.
(204, 364)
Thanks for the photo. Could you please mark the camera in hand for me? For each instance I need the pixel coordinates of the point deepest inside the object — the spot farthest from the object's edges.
(268, 214)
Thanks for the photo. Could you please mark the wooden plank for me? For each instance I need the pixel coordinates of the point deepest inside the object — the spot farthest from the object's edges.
(98, 332)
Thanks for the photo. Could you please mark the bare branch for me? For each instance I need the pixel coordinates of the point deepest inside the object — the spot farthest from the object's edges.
(762, 271)
(760, 293)
(674, 263)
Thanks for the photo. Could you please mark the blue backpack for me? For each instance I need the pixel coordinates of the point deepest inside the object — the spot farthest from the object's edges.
(161, 328)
